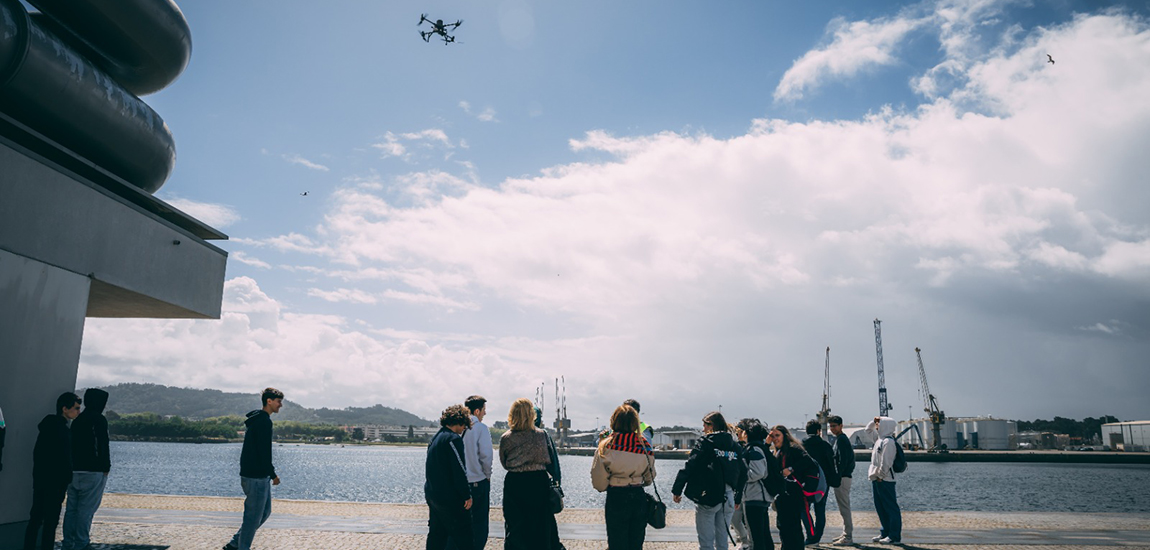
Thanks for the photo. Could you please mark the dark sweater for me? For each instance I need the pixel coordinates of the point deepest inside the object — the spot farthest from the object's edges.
(52, 455)
(844, 455)
(446, 478)
(824, 454)
(256, 456)
(802, 466)
(90, 451)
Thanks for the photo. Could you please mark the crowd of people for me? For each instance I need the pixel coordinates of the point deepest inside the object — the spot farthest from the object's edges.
(735, 474)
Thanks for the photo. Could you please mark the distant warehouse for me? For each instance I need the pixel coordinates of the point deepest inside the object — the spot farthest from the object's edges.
(1127, 436)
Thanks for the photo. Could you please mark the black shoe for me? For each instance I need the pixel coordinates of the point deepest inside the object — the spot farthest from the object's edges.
(229, 546)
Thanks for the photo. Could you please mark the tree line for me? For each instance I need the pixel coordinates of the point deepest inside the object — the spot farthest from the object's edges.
(153, 427)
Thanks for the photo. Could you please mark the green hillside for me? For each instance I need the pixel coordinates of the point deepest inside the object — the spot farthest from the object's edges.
(192, 403)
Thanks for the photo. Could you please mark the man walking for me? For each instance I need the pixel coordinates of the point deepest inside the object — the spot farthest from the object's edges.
(881, 477)
(51, 472)
(845, 459)
(91, 463)
(824, 454)
(445, 489)
(477, 458)
(257, 474)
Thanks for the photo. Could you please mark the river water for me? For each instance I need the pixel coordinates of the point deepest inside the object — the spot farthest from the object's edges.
(395, 475)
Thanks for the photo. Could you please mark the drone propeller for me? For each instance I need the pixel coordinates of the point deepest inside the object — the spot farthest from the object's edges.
(458, 22)
(422, 18)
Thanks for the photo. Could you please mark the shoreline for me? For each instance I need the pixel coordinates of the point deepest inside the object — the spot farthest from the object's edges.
(863, 455)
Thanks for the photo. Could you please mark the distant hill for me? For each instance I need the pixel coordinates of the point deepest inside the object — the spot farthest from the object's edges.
(197, 404)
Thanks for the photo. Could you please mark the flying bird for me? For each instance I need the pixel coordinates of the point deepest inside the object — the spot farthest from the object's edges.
(1050, 59)
(304, 194)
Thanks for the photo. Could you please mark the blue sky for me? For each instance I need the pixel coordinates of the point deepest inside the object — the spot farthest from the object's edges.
(666, 201)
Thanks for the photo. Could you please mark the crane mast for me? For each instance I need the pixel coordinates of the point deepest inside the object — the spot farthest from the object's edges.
(930, 405)
(825, 413)
(884, 406)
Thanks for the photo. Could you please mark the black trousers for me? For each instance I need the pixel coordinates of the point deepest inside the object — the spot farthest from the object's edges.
(788, 516)
(819, 511)
(759, 522)
(626, 517)
(527, 514)
(448, 523)
(45, 516)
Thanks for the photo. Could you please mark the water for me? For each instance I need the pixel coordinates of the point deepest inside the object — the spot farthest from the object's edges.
(395, 475)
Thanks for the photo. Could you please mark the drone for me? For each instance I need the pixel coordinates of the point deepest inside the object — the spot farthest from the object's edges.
(438, 28)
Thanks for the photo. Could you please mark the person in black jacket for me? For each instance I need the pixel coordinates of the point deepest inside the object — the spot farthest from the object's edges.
(91, 462)
(445, 487)
(798, 467)
(714, 478)
(845, 460)
(51, 472)
(257, 474)
(824, 455)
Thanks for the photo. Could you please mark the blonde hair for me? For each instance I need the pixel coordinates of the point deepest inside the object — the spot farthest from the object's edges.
(521, 417)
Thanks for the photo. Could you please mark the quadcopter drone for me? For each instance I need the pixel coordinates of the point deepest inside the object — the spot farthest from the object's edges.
(438, 28)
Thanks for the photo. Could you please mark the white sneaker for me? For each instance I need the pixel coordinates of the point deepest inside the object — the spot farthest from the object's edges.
(878, 538)
(885, 540)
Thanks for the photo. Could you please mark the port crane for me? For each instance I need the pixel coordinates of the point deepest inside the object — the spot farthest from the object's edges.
(884, 406)
(930, 405)
(825, 413)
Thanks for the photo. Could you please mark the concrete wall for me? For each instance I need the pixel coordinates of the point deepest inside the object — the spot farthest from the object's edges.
(41, 324)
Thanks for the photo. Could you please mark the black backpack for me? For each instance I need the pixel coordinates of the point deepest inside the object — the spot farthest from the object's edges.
(899, 465)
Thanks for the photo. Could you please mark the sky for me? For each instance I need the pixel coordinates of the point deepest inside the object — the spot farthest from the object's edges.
(680, 203)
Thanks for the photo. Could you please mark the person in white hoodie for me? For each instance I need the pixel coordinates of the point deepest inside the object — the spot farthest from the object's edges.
(882, 479)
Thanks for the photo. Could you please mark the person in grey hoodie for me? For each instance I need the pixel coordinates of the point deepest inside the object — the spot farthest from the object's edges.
(91, 462)
(51, 472)
(257, 474)
(882, 479)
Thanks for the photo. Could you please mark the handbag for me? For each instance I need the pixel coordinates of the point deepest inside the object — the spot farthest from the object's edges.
(555, 498)
(656, 509)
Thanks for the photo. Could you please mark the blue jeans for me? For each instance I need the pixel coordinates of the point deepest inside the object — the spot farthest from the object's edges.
(886, 504)
(84, 496)
(257, 508)
(711, 523)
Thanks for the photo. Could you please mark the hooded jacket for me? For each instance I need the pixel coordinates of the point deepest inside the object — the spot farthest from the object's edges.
(707, 486)
(883, 453)
(445, 478)
(256, 456)
(52, 455)
(623, 460)
(90, 435)
(764, 477)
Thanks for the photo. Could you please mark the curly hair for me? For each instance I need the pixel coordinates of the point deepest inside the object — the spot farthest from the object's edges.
(521, 416)
(455, 415)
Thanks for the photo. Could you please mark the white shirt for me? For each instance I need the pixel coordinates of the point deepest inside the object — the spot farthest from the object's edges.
(477, 451)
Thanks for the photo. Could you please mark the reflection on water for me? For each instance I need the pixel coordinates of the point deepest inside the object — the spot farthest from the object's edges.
(395, 474)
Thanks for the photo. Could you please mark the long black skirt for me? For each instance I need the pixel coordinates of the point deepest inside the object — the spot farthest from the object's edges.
(526, 511)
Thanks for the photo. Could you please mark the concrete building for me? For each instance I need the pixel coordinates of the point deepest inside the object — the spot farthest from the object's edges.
(676, 439)
(375, 432)
(80, 233)
(1127, 436)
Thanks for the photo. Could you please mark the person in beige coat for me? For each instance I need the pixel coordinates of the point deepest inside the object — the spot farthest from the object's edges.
(623, 465)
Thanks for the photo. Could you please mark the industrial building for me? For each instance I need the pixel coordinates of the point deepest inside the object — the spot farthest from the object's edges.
(676, 439)
(985, 433)
(1127, 436)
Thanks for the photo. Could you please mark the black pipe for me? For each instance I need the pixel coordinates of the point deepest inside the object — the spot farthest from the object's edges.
(46, 85)
(142, 44)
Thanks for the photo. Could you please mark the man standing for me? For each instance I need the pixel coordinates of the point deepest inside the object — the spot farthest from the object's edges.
(257, 474)
(445, 489)
(91, 463)
(477, 457)
(845, 459)
(824, 454)
(51, 472)
(882, 479)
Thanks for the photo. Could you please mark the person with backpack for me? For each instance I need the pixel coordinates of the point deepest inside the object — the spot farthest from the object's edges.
(824, 455)
(800, 485)
(764, 481)
(883, 459)
(845, 460)
(713, 478)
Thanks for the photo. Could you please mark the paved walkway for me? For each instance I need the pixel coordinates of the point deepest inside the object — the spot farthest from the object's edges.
(144, 522)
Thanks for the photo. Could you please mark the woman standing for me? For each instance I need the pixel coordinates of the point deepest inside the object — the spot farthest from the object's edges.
(791, 503)
(764, 481)
(523, 452)
(623, 465)
(713, 479)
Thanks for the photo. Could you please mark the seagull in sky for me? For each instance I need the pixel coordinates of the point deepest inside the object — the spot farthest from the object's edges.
(304, 194)
(1050, 59)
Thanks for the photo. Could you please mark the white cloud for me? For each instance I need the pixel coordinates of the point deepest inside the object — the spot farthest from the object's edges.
(213, 214)
(399, 145)
(856, 46)
(245, 259)
(296, 159)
